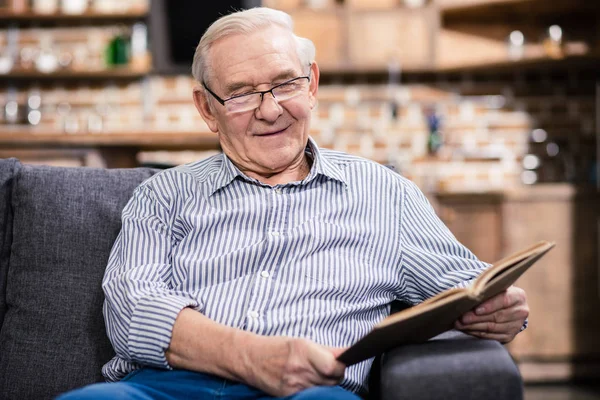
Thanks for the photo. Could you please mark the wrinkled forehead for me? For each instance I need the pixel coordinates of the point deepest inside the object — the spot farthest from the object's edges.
(258, 53)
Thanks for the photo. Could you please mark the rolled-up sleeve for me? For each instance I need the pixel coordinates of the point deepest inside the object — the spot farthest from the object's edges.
(141, 304)
(432, 259)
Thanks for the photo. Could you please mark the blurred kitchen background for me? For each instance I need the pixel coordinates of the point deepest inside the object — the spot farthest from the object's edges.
(491, 106)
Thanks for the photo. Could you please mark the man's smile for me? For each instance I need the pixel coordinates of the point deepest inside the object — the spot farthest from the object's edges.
(272, 133)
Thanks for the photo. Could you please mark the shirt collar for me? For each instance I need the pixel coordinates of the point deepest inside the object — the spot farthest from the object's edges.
(321, 166)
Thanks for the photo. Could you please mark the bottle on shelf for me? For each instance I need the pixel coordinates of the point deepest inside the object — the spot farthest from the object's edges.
(6, 62)
(553, 43)
(139, 47)
(34, 107)
(74, 7)
(45, 6)
(434, 139)
(9, 53)
(95, 121)
(46, 60)
(117, 51)
(13, 111)
(516, 45)
(414, 3)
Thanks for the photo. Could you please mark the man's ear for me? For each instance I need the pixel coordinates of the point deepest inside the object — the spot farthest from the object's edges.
(204, 108)
(314, 84)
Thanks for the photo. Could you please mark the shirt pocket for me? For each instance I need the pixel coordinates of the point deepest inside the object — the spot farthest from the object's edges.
(335, 258)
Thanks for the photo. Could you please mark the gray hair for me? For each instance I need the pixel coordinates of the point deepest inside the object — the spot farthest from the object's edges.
(247, 22)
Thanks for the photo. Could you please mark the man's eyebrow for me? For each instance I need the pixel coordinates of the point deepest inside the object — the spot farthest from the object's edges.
(287, 74)
(232, 87)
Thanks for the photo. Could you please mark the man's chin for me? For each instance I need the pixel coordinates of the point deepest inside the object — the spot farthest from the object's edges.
(281, 163)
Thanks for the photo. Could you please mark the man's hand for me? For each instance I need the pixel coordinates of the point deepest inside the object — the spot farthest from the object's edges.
(282, 366)
(277, 365)
(499, 318)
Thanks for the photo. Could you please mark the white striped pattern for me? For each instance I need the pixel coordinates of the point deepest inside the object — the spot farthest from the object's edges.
(321, 258)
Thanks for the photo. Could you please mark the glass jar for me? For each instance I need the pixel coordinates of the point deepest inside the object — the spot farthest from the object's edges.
(74, 7)
(45, 6)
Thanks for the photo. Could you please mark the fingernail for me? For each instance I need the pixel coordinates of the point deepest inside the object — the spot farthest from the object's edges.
(480, 310)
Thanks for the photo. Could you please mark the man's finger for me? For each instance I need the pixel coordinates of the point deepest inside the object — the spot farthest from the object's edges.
(506, 299)
(491, 327)
(516, 313)
(325, 364)
(337, 351)
(502, 338)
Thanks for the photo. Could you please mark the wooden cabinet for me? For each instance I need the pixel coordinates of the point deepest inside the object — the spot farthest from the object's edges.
(475, 33)
(372, 4)
(562, 341)
(475, 220)
(327, 31)
(282, 4)
(464, 4)
(402, 36)
(563, 337)
(444, 35)
(365, 36)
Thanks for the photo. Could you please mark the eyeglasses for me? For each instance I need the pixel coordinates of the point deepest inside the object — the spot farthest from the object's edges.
(251, 101)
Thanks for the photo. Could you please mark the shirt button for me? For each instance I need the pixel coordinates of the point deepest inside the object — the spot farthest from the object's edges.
(265, 274)
(278, 191)
(274, 233)
(253, 314)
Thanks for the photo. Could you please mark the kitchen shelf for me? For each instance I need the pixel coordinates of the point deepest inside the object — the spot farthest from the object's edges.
(501, 9)
(30, 16)
(149, 139)
(536, 62)
(331, 74)
(124, 72)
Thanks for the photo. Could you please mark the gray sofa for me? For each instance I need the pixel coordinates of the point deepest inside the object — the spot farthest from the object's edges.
(58, 226)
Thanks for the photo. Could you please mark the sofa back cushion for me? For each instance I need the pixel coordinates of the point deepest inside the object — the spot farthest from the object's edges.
(8, 168)
(64, 224)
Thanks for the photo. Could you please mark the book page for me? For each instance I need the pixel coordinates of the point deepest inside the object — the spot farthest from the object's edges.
(499, 267)
(507, 277)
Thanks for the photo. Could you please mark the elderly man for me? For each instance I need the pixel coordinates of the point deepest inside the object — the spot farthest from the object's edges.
(244, 275)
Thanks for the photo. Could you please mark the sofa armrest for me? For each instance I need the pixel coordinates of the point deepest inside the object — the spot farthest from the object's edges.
(450, 366)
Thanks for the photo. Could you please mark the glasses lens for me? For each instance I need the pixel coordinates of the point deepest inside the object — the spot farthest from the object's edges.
(289, 89)
(252, 101)
(243, 103)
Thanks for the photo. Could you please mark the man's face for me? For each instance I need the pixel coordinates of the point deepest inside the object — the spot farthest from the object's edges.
(272, 137)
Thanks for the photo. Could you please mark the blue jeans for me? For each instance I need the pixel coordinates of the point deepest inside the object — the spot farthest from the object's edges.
(155, 384)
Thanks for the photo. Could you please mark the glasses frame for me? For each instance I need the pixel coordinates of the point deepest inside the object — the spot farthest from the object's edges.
(261, 92)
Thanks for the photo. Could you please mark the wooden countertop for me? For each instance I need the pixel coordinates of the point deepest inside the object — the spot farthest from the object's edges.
(541, 191)
(147, 139)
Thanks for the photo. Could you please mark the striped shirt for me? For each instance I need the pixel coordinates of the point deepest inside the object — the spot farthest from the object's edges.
(320, 258)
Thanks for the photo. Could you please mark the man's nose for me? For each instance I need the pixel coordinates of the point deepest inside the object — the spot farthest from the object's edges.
(269, 108)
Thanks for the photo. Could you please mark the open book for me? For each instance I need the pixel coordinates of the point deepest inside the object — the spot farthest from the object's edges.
(438, 314)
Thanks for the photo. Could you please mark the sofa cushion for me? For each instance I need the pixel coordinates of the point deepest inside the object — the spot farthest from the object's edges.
(452, 365)
(65, 222)
(8, 168)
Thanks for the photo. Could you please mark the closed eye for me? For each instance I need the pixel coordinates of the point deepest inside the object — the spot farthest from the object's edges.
(241, 93)
(236, 96)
